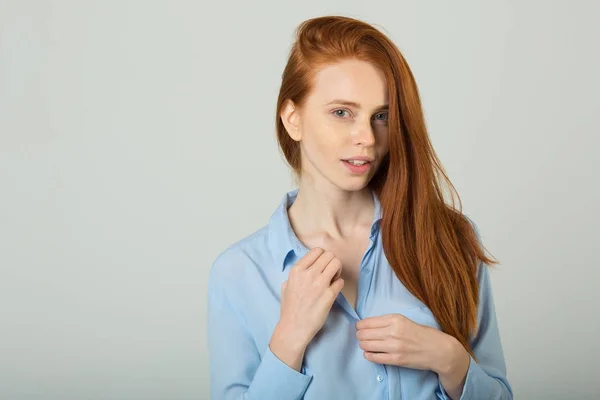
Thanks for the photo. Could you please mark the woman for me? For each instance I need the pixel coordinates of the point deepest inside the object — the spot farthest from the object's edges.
(364, 284)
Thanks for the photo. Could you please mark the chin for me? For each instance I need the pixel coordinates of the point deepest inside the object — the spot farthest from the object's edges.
(352, 184)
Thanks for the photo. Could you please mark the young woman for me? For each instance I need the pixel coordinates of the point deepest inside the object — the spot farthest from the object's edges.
(364, 284)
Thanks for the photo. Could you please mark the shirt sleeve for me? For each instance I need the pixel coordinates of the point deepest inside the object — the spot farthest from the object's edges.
(486, 378)
(237, 368)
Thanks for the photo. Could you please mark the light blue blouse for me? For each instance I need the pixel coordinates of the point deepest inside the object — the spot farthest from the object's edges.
(243, 309)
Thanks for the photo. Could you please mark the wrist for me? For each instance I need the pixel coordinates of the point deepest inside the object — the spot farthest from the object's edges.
(452, 356)
(453, 370)
(291, 335)
(289, 349)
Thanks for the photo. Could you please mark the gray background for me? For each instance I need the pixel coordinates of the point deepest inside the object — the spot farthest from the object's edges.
(137, 142)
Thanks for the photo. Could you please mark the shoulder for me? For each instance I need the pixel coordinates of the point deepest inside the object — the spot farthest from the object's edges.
(240, 259)
(482, 267)
(474, 226)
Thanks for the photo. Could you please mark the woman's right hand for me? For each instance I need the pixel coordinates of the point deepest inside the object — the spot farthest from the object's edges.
(313, 285)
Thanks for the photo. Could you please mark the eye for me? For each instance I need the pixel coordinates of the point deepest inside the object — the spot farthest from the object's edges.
(384, 116)
(340, 112)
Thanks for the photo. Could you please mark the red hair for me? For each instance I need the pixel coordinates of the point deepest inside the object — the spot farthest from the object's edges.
(432, 247)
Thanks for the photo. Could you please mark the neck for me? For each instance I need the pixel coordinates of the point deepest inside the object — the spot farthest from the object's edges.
(330, 213)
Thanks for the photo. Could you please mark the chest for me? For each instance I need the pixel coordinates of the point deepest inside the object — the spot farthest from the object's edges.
(351, 253)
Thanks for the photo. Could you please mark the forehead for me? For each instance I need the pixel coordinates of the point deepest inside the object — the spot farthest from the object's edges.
(352, 80)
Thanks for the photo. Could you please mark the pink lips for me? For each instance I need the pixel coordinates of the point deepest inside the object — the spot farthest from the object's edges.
(357, 169)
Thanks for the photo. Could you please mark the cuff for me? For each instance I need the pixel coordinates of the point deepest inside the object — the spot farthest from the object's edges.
(477, 384)
(276, 380)
(442, 395)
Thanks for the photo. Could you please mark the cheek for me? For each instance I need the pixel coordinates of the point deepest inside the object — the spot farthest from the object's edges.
(381, 133)
(382, 140)
(322, 142)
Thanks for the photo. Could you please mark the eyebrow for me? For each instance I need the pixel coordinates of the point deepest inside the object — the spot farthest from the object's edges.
(355, 104)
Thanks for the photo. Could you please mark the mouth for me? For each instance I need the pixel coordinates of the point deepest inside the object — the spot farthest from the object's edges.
(357, 162)
(357, 167)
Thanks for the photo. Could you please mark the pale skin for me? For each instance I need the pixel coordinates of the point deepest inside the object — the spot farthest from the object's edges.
(334, 211)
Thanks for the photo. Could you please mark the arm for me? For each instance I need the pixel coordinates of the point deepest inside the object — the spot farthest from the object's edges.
(237, 369)
(485, 379)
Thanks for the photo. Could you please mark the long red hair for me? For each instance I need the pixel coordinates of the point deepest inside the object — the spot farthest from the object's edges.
(431, 246)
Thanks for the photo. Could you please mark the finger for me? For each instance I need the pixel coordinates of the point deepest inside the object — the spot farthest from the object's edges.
(372, 334)
(336, 287)
(309, 258)
(338, 274)
(377, 346)
(380, 358)
(374, 322)
(332, 271)
(322, 262)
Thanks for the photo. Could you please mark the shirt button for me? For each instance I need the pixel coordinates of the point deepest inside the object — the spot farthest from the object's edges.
(379, 378)
(367, 270)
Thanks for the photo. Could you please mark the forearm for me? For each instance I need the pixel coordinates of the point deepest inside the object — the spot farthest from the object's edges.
(452, 367)
(289, 349)
(462, 378)
(240, 371)
(277, 376)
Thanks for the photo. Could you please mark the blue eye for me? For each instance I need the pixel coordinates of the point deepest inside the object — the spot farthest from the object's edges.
(378, 117)
(385, 114)
(337, 112)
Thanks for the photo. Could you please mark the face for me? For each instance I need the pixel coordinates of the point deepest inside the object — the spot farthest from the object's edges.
(342, 123)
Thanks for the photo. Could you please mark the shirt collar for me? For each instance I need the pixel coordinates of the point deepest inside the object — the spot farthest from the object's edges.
(281, 237)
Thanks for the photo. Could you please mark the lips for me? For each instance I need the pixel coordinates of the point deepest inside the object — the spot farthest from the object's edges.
(357, 169)
(359, 158)
(356, 162)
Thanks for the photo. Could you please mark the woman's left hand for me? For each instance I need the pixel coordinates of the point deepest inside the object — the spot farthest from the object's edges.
(394, 339)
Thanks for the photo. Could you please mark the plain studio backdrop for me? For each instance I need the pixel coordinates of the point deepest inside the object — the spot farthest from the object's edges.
(137, 142)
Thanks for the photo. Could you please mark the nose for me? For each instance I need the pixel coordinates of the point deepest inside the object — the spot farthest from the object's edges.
(363, 135)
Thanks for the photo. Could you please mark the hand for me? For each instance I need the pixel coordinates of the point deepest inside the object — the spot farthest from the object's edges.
(309, 293)
(396, 340)
(306, 297)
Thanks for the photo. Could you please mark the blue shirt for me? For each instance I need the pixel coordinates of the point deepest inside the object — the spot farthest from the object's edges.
(243, 310)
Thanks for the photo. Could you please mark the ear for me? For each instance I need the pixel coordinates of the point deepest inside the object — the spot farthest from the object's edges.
(290, 117)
